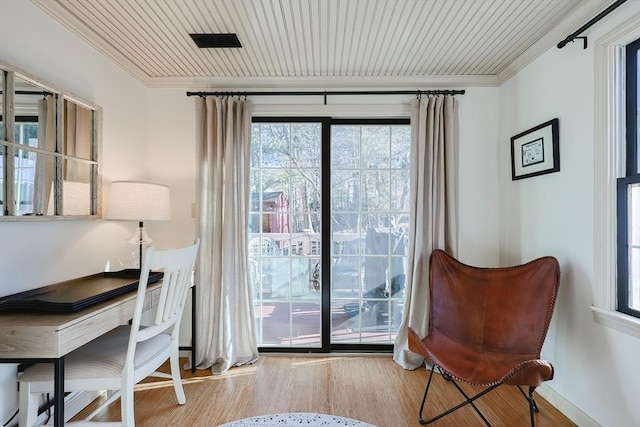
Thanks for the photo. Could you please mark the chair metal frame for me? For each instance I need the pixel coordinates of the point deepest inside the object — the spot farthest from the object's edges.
(533, 407)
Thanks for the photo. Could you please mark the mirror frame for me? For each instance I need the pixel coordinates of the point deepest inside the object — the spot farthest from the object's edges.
(8, 147)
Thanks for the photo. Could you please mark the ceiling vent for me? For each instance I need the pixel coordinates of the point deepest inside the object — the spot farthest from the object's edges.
(219, 40)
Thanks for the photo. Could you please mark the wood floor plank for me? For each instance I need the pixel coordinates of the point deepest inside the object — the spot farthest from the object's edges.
(371, 389)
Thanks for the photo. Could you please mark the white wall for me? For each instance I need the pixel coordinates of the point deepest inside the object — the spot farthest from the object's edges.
(171, 160)
(46, 252)
(597, 368)
(479, 177)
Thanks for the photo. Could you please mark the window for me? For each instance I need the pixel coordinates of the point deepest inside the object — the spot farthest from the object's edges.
(629, 193)
(609, 155)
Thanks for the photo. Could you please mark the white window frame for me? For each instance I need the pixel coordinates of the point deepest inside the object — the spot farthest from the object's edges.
(609, 140)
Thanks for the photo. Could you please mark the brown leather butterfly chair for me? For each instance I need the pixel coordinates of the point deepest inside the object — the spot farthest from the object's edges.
(487, 326)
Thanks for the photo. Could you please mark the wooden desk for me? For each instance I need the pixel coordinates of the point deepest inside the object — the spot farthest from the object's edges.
(42, 337)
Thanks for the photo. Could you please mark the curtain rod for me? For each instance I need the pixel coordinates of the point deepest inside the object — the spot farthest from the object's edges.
(329, 92)
(575, 35)
(32, 92)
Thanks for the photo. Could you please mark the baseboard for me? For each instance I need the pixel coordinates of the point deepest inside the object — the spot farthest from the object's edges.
(567, 408)
(73, 404)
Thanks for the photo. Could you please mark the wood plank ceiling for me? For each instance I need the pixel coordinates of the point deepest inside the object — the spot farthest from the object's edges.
(314, 38)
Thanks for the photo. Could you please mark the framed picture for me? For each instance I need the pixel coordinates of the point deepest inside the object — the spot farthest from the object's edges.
(535, 151)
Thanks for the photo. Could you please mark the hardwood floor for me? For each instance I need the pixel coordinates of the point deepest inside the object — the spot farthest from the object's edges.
(371, 389)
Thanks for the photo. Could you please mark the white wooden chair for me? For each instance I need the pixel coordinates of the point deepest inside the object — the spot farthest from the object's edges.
(123, 357)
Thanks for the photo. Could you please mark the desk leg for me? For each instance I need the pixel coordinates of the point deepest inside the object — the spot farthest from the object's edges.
(192, 347)
(193, 329)
(58, 391)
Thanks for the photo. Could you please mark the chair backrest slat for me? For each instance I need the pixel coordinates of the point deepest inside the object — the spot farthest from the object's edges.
(177, 267)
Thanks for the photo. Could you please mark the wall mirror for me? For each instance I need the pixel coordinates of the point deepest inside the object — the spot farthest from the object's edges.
(49, 151)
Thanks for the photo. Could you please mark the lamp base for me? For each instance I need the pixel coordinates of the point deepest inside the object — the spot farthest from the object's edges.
(140, 236)
(141, 239)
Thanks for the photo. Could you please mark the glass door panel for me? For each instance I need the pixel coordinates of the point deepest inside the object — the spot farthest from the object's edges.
(369, 211)
(284, 233)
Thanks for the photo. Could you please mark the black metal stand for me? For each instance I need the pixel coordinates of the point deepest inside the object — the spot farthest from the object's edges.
(469, 400)
(192, 347)
(140, 228)
(58, 384)
(58, 390)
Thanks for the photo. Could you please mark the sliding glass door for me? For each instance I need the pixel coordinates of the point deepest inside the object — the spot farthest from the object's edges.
(327, 232)
(284, 233)
(369, 220)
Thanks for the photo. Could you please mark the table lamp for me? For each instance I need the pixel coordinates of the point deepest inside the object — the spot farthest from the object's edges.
(139, 201)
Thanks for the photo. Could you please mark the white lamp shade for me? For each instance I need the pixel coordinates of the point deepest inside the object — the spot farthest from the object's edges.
(139, 201)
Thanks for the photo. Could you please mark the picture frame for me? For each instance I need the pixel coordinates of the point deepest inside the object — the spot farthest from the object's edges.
(536, 151)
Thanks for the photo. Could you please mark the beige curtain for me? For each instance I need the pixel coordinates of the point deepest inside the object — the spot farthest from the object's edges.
(224, 316)
(433, 209)
(45, 167)
(77, 141)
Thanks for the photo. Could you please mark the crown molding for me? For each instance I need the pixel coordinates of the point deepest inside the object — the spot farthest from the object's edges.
(585, 11)
(408, 83)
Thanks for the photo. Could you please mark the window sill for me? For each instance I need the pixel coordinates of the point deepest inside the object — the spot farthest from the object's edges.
(616, 320)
